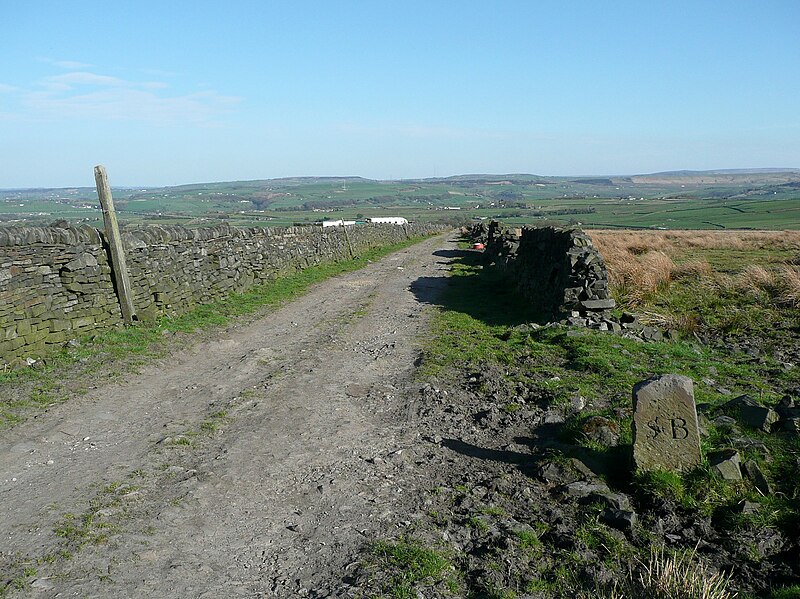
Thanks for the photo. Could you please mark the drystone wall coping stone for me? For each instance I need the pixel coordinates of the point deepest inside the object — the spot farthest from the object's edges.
(23, 236)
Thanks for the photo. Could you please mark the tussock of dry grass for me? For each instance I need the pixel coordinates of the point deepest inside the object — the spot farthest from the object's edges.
(641, 263)
(699, 269)
(636, 276)
(790, 285)
(754, 279)
(669, 576)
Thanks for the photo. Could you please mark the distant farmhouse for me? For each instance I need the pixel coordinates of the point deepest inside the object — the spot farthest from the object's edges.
(388, 220)
(337, 223)
(382, 220)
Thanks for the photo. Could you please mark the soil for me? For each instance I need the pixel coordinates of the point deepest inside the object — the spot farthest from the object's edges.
(255, 463)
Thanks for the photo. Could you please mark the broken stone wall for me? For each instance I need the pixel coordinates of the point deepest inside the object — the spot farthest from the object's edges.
(558, 269)
(56, 282)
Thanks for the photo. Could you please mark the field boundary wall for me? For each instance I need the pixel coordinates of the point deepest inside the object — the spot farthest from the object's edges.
(56, 282)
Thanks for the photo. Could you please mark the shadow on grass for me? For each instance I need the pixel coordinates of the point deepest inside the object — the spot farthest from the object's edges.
(486, 294)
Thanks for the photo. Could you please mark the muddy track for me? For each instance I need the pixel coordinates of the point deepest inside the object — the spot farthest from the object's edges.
(241, 466)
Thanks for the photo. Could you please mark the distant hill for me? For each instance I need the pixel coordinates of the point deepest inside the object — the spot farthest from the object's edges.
(755, 176)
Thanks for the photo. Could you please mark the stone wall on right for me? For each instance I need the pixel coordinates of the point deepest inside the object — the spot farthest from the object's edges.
(563, 270)
(558, 269)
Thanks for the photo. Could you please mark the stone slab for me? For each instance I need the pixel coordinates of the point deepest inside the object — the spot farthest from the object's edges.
(666, 435)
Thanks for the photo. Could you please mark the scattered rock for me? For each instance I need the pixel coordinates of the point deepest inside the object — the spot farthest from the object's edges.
(556, 473)
(553, 417)
(584, 488)
(748, 443)
(613, 501)
(787, 408)
(601, 430)
(577, 402)
(790, 425)
(651, 334)
(757, 477)
(623, 520)
(749, 507)
(724, 422)
(751, 413)
(726, 463)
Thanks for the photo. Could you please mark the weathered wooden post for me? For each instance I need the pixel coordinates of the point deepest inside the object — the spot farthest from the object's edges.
(118, 265)
(347, 238)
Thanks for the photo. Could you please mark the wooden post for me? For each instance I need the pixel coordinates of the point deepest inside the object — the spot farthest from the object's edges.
(118, 265)
(347, 237)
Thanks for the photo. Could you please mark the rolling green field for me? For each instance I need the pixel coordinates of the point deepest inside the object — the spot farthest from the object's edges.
(681, 200)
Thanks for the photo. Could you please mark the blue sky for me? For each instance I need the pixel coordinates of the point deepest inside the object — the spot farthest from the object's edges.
(174, 92)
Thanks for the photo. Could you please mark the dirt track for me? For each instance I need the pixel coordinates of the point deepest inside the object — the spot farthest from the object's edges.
(269, 499)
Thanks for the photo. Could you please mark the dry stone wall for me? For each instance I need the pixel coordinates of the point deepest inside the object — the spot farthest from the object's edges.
(56, 282)
(557, 269)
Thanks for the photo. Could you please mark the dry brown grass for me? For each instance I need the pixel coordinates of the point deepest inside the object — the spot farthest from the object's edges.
(699, 269)
(636, 273)
(641, 263)
(754, 279)
(638, 242)
(668, 576)
(790, 285)
(780, 285)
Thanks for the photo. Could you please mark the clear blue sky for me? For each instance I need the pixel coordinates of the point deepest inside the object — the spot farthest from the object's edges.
(174, 91)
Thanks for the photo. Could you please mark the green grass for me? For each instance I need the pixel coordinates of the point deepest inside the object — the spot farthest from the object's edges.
(477, 324)
(529, 539)
(406, 562)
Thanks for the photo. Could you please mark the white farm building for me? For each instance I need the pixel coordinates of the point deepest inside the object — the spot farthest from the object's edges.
(388, 220)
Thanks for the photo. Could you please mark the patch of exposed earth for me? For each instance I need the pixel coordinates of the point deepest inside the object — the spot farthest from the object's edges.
(521, 512)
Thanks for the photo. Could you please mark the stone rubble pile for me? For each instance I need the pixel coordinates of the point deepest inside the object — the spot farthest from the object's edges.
(734, 418)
